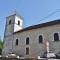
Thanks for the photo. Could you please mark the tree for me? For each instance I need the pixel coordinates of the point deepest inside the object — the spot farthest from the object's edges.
(1, 45)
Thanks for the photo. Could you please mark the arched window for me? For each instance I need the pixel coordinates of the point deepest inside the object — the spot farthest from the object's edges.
(56, 37)
(16, 41)
(40, 39)
(18, 22)
(10, 22)
(27, 40)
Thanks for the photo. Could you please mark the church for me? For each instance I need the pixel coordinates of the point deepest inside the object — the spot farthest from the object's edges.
(30, 40)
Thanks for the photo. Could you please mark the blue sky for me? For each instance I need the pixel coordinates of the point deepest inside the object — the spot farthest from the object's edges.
(30, 10)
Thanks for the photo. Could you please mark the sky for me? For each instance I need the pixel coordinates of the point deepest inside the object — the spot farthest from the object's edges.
(31, 11)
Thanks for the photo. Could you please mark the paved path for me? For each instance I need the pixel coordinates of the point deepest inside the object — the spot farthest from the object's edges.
(53, 59)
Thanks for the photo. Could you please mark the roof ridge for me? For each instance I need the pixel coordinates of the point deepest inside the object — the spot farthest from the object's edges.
(40, 25)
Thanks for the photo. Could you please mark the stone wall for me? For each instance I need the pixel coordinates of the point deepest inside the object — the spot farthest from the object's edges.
(35, 47)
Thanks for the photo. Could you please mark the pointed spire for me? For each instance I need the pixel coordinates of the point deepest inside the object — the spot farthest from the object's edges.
(15, 13)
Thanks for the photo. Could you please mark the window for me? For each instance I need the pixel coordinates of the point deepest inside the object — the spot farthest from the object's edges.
(56, 37)
(10, 22)
(40, 39)
(18, 22)
(27, 40)
(27, 51)
(16, 41)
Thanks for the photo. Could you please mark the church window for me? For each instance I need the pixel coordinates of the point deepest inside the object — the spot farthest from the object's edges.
(18, 22)
(40, 39)
(10, 22)
(27, 51)
(27, 40)
(56, 37)
(16, 41)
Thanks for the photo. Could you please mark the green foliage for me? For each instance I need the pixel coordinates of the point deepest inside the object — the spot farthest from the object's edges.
(1, 45)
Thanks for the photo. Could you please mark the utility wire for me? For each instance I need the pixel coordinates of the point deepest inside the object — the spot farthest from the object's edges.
(47, 16)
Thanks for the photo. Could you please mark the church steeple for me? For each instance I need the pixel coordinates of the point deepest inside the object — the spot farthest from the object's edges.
(16, 20)
(13, 23)
(15, 13)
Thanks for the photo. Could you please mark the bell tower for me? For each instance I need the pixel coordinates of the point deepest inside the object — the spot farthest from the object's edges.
(14, 23)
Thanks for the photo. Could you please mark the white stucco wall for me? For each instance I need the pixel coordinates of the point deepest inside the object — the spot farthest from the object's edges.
(16, 26)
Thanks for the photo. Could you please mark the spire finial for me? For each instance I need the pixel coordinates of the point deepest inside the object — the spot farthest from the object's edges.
(15, 11)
